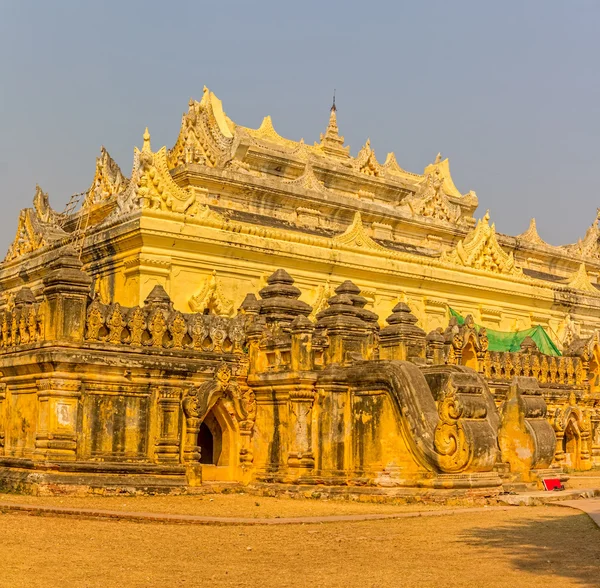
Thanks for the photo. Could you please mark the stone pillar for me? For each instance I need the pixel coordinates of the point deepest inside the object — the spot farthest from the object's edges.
(301, 401)
(191, 409)
(168, 436)
(66, 290)
(301, 351)
(402, 339)
(350, 335)
(435, 348)
(56, 431)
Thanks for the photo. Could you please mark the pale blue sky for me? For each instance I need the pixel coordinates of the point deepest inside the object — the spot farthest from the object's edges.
(509, 91)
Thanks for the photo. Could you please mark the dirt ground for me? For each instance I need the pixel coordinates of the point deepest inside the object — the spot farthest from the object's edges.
(539, 546)
(225, 505)
(581, 480)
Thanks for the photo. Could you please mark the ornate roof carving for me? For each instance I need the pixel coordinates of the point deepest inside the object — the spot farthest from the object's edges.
(430, 201)
(307, 180)
(323, 293)
(581, 281)
(480, 250)
(356, 236)
(44, 211)
(211, 297)
(108, 180)
(441, 168)
(588, 246)
(152, 187)
(531, 234)
(206, 135)
(38, 226)
(267, 132)
(366, 162)
(392, 167)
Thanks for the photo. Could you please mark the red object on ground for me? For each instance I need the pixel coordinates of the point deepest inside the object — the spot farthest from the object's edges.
(552, 484)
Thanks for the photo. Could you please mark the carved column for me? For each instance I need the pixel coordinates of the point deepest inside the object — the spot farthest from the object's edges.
(302, 395)
(56, 432)
(168, 438)
(191, 409)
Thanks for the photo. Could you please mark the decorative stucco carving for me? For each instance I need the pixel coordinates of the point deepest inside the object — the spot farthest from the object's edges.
(37, 227)
(430, 200)
(152, 187)
(531, 235)
(581, 281)
(211, 297)
(355, 236)
(108, 180)
(480, 250)
(206, 135)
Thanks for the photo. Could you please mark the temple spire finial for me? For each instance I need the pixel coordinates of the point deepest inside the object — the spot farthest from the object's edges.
(331, 141)
(146, 137)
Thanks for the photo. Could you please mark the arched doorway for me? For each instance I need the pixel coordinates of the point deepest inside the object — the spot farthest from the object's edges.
(210, 440)
(218, 446)
(469, 356)
(571, 444)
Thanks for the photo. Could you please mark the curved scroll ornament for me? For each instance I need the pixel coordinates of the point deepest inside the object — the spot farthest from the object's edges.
(449, 438)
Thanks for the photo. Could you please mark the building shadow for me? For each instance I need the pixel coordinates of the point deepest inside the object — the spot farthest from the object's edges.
(563, 546)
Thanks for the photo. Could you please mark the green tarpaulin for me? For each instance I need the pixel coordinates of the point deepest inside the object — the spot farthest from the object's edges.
(503, 341)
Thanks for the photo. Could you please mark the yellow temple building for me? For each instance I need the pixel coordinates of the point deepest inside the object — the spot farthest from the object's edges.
(243, 305)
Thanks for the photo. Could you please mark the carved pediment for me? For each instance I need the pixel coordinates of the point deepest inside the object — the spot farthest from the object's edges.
(588, 246)
(44, 211)
(206, 135)
(212, 298)
(356, 236)
(581, 281)
(319, 303)
(32, 234)
(366, 162)
(430, 200)
(108, 180)
(441, 169)
(480, 250)
(152, 187)
(307, 180)
(531, 235)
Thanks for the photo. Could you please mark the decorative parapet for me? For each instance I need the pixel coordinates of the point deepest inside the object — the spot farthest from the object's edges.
(23, 324)
(480, 250)
(547, 369)
(158, 325)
